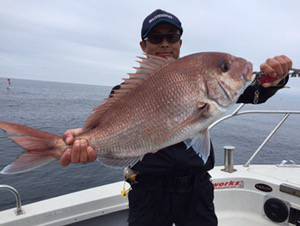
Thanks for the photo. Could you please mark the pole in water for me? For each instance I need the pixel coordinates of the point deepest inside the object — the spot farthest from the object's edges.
(8, 84)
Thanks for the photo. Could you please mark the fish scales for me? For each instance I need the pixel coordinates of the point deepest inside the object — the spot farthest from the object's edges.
(150, 115)
(163, 110)
(165, 102)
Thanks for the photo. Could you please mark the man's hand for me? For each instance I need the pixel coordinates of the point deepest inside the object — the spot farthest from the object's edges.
(275, 70)
(80, 152)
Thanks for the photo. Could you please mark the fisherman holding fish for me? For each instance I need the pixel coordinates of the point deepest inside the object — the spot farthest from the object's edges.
(173, 185)
(160, 115)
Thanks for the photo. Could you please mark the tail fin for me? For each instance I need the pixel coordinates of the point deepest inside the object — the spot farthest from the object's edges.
(41, 147)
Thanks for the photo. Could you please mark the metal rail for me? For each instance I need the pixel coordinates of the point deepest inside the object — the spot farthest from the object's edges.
(19, 210)
(237, 112)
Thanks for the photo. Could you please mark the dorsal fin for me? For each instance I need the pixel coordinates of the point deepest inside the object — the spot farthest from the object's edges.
(148, 66)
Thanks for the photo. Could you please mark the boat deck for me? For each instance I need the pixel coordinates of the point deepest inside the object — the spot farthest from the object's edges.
(242, 203)
(237, 200)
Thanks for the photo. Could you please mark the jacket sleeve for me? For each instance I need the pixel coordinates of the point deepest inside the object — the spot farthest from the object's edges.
(257, 94)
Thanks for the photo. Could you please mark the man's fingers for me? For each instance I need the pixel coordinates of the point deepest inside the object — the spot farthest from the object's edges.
(69, 135)
(274, 70)
(69, 139)
(83, 152)
(79, 153)
(276, 66)
(92, 154)
(76, 151)
(267, 70)
(76, 131)
(287, 61)
(284, 65)
(65, 159)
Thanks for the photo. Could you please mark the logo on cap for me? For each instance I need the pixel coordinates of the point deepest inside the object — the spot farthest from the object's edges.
(159, 16)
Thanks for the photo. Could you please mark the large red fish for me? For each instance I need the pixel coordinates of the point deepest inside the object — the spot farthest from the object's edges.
(165, 102)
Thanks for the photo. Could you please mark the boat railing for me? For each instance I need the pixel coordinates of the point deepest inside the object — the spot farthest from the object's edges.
(238, 112)
(19, 210)
(229, 149)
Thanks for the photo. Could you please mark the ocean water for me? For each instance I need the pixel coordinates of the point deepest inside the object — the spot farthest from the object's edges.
(56, 107)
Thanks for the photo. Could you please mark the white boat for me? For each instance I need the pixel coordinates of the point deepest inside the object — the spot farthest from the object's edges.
(245, 195)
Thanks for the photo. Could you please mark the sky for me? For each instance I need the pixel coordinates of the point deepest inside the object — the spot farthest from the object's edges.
(97, 41)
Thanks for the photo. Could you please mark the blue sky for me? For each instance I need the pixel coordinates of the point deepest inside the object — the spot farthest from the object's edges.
(96, 42)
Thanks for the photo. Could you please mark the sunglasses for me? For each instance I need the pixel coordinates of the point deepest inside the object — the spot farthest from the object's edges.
(158, 38)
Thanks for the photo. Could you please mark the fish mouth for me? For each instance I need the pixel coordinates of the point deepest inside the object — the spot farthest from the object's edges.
(247, 74)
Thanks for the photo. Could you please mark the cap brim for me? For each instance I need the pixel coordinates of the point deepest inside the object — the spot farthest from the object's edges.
(159, 22)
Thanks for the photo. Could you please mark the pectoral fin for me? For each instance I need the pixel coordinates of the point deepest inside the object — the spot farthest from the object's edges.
(197, 116)
(200, 144)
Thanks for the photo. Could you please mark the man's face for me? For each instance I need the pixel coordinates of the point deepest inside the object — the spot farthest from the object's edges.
(166, 34)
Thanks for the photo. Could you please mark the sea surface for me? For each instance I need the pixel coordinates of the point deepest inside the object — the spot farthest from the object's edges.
(56, 107)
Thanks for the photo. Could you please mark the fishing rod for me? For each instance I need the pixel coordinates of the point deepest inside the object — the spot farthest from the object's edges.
(261, 78)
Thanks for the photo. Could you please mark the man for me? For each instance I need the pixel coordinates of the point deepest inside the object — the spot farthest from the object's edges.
(172, 185)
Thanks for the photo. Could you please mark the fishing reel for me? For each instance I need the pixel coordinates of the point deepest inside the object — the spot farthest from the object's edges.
(261, 78)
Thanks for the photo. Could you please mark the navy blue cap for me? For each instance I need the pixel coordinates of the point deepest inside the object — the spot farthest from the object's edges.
(158, 17)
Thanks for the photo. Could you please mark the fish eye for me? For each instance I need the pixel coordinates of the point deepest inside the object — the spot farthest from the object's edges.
(225, 66)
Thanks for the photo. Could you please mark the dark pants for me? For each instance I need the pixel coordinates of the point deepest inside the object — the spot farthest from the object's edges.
(185, 201)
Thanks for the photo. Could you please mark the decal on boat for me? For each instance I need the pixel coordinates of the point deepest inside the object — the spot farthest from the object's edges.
(263, 187)
(229, 184)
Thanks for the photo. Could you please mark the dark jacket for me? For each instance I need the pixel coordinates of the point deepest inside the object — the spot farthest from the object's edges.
(177, 160)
